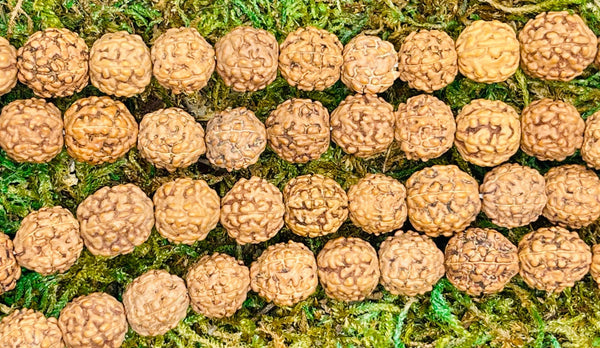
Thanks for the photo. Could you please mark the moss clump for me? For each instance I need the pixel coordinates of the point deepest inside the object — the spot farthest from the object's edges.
(518, 316)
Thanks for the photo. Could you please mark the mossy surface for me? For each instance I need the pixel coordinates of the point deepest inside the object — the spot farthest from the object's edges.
(516, 317)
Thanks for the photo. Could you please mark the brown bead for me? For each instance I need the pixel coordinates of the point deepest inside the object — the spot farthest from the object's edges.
(363, 125)
(285, 273)
(425, 127)
(31, 130)
(247, 59)
(53, 63)
(556, 46)
(120, 64)
(595, 267)
(28, 328)
(410, 264)
(590, 148)
(218, 285)
(171, 138)
(8, 66)
(114, 220)
(186, 210)
(182, 60)
(553, 259)
(10, 271)
(314, 205)
(348, 269)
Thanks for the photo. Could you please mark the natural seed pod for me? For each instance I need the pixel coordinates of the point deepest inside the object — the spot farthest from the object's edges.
(370, 64)
(10, 271)
(28, 328)
(311, 59)
(348, 269)
(553, 259)
(99, 130)
(410, 264)
(556, 46)
(425, 127)
(114, 220)
(186, 210)
(363, 125)
(487, 132)
(218, 285)
(155, 302)
(171, 138)
(314, 205)
(480, 261)
(48, 241)
(427, 60)
(182, 60)
(247, 59)
(552, 130)
(377, 204)
(8, 66)
(595, 267)
(513, 195)
(573, 196)
(590, 149)
(235, 138)
(488, 51)
(120, 64)
(285, 273)
(96, 320)
(53, 63)
(298, 130)
(252, 211)
(31, 130)
(442, 200)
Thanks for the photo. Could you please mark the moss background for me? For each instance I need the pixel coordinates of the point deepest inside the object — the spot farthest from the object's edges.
(516, 317)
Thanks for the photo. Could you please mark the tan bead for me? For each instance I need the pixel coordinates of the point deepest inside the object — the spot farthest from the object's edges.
(311, 59)
(31, 130)
(595, 267)
(8, 66)
(513, 195)
(235, 138)
(377, 204)
(370, 64)
(252, 211)
(298, 130)
(488, 51)
(425, 127)
(48, 241)
(410, 264)
(590, 148)
(218, 285)
(348, 269)
(247, 59)
(363, 125)
(557, 46)
(552, 130)
(53, 63)
(120, 64)
(573, 196)
(487, 132)
(285, 274)
(94, 320)
(182, 60)
(442, 200)
(114, 220)
(314, 205)
(186, 210)
(155, 302)
(553, 259)
(99, 130)
(10, 271)
(480, 261)
(427, 60)
(28, 328)
(171, 139)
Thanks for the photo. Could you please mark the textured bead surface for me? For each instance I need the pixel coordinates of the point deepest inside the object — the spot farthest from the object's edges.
(28, 328)
(10, 271)
(8, 66)
(590, 148)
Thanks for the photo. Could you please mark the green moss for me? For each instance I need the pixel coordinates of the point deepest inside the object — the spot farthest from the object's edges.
(516, 317)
